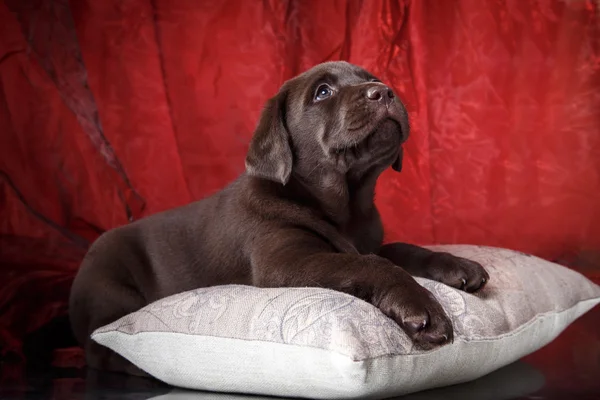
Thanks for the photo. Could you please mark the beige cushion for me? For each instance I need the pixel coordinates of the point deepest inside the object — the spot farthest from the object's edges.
(515, 381)
(318, 343)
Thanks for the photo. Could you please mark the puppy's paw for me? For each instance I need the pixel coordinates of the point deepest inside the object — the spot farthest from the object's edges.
(457, 272)
(419, 314)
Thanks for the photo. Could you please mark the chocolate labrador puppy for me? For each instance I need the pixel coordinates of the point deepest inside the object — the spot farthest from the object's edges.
(301, 215)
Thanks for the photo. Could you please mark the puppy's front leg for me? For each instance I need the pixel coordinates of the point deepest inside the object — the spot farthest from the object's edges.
(453, 271)
(297, 258)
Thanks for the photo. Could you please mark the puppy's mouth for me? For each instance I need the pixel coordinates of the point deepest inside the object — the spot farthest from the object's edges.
(387, 134)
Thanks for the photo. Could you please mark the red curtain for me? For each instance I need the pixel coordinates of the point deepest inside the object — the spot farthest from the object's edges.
(113, 110)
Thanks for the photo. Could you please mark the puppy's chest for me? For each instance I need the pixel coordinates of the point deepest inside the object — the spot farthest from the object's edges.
(365, 234)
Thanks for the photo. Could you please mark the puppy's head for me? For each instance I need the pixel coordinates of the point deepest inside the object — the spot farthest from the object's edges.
(335, 116)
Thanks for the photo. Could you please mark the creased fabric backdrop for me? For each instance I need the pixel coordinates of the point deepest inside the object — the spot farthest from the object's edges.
(113, 110)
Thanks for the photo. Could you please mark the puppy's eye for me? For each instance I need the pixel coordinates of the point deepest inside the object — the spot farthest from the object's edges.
(323, 92)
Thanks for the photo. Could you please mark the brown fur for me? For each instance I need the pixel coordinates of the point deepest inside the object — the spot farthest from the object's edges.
(302, 215)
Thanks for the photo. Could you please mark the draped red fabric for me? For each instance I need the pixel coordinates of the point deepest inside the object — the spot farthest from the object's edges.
(113, 110)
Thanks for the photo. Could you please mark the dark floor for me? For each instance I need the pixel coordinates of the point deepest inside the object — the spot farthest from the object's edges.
(568, 368)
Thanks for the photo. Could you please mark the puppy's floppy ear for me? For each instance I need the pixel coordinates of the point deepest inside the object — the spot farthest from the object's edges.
(397, 165)
(270, 154)
(405, 129)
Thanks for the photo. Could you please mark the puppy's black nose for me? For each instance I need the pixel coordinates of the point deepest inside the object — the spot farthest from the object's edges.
(380, 93)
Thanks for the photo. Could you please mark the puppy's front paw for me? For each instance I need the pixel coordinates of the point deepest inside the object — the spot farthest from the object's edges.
(419, 314)
(457, 272)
